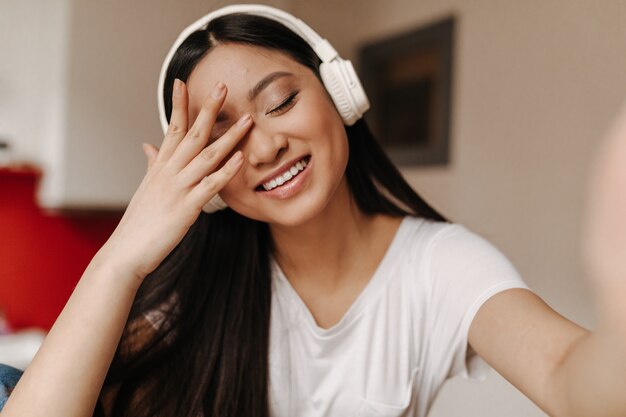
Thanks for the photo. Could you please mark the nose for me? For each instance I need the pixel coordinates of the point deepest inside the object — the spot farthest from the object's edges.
(264, 145)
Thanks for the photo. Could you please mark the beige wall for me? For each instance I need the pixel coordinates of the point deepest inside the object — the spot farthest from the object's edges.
(78, 90)
(536, 85)
(117, 48)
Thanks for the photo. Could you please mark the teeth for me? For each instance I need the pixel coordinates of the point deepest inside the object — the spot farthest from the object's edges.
(286, 176)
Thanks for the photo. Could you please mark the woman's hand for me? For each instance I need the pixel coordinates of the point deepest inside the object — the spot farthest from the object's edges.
(182, 177)
(605, 240)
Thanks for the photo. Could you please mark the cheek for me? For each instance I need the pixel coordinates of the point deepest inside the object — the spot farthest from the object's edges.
(327, 135)
(342, 154)
(233, 189)
(239, 196)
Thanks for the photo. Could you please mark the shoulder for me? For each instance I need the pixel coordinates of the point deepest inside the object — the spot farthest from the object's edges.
(449, 254)
(423, 237)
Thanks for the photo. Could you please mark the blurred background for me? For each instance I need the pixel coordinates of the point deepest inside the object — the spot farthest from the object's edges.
(535, 86)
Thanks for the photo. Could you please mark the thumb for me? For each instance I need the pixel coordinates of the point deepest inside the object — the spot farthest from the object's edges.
(151, 153)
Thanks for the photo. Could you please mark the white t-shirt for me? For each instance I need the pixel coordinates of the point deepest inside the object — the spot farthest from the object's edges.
(403, 336)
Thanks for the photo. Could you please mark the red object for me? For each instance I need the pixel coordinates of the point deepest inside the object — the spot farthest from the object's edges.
(42, 255)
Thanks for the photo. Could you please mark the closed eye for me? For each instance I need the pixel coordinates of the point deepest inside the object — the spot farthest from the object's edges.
(285, 105)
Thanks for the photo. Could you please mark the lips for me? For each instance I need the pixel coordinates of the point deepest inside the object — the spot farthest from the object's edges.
(284, 174)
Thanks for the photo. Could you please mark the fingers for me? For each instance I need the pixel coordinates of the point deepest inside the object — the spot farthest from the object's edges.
(198, 134)
(151, 153)
(178, 121)
(210, 185)
(210, 157)
(199, 169)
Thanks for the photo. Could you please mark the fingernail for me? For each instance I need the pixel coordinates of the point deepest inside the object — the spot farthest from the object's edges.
(218, 90)
(244, 120)
(178, 88)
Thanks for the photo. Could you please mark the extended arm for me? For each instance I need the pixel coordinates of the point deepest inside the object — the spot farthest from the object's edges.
(564, 369)
(67, 374)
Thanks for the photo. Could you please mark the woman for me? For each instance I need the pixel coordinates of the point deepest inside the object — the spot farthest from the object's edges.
(328, 287)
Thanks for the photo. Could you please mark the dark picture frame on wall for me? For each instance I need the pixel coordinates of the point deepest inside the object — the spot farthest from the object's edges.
(409, 81)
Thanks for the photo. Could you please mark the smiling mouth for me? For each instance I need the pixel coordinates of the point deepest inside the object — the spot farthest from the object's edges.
(284, 178)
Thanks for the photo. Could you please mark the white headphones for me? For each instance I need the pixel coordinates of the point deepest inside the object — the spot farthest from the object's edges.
(338, 75)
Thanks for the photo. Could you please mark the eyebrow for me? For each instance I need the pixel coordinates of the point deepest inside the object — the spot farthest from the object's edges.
(267, 80)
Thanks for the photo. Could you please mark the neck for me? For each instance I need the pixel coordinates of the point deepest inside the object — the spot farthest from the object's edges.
(325, 248)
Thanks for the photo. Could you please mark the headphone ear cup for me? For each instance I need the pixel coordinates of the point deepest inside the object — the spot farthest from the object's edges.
(344, 87)
(331, 76)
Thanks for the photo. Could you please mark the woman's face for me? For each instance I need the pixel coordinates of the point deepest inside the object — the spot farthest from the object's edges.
(296, 150)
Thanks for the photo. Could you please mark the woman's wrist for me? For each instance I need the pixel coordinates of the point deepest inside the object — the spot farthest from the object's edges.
(118, 266)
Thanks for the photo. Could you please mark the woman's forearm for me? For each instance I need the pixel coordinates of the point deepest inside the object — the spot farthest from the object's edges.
(67, 373)
(66, 376)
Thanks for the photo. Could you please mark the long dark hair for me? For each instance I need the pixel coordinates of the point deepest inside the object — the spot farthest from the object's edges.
(212, 294)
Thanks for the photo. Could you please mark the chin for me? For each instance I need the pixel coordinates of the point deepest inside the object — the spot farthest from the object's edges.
(294, 219)
(287, 213)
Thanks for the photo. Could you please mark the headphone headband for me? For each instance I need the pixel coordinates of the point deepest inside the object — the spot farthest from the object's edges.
(321, 46)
